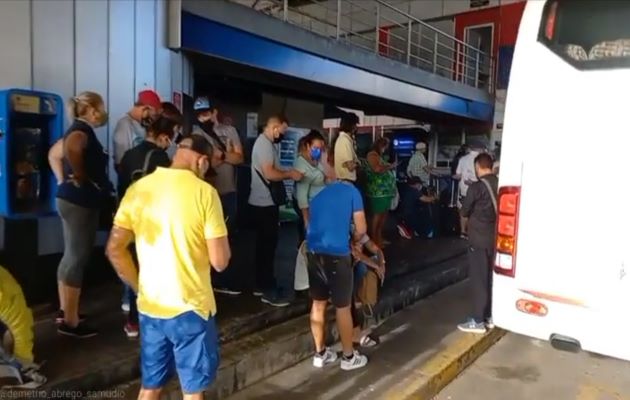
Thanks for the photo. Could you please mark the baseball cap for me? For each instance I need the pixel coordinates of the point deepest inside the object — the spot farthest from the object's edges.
(202, 104)
(149, 98)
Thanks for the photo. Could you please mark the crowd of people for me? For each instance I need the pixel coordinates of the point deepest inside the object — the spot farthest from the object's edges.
(175, 209)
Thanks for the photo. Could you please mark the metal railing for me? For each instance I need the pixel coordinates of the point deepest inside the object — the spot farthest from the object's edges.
(381, 28)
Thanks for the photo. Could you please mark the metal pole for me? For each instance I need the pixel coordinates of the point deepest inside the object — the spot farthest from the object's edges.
(377, 39)
(338, 18)
(285, 10)
(409, 26)
(477, 69)
(435, 52)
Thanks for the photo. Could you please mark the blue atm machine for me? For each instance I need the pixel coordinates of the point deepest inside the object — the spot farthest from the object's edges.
(30, 123)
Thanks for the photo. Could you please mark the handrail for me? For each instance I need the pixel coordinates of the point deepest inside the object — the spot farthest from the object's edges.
(434, 29)
(410, 41)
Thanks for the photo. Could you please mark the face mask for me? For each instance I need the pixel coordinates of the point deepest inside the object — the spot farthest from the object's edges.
(146, 122)
(278, 139)
(102, 119)
(207, 126)
(202, 166)
(316, 153)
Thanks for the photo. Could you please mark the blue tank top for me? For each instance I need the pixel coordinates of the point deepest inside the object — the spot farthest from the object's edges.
(97, 185)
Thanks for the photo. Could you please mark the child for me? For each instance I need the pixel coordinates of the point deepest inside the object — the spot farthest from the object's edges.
(362, 261)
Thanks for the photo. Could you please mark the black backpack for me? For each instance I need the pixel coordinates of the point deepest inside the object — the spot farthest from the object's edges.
(139, 173)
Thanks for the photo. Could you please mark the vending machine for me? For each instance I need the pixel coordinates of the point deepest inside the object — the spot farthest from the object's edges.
(30, 123)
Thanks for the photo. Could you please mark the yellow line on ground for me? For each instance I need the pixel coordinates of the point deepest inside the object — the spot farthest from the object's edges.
(426, 381)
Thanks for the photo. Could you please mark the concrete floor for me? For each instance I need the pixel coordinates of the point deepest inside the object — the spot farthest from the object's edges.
(520, 368)
(409, 339)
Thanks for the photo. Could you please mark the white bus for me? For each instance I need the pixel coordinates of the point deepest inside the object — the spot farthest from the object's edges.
(562, 268)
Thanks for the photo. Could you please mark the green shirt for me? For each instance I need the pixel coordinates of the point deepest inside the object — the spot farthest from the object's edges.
(311, 183)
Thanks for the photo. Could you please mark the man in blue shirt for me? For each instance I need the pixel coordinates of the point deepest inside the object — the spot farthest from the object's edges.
(333, 211)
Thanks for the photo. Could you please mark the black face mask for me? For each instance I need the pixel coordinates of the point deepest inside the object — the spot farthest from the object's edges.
(208, 126)
(278, 139)
(146, 122)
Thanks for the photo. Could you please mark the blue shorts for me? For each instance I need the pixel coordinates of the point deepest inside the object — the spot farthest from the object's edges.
(187, 344)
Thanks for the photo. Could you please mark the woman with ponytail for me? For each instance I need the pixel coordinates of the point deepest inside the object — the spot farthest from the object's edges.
(82, 181)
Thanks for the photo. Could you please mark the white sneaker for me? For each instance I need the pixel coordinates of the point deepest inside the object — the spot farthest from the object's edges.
(329, 357)
(357, 361)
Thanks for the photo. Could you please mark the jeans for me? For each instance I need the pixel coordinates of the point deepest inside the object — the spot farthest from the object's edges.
(229, 201)
(480, 275)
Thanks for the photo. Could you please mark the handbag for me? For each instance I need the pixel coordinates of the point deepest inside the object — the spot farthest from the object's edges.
(276, 189)
(301, 272)
(367, 292)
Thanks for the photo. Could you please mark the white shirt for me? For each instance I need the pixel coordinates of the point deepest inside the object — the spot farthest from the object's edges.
(466, 170)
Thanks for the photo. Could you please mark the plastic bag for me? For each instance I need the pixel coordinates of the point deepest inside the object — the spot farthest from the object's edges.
(301, 271)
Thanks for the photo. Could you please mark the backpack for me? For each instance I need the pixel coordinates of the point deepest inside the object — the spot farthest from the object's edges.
(139, 173)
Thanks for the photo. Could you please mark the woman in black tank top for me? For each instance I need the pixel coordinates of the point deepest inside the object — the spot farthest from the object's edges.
(79, 197)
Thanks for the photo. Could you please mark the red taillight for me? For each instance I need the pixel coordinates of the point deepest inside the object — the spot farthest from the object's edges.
(550, 25)
(507, 230)
(531, 307)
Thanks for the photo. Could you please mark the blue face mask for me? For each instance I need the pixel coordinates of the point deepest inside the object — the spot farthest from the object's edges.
(316, 153)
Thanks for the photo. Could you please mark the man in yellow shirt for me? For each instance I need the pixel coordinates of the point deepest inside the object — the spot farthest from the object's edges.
(176, 221)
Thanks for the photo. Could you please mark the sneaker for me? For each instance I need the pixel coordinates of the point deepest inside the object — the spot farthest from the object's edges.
(463, 236)
(132, 330)
(81, 331)
(472, 326)
(329, 357)
(403, 231)
(357, 361)
(59, 318)
(230, 292)
(489, 323)
(275, 301)
(257, 292)
(125, 307)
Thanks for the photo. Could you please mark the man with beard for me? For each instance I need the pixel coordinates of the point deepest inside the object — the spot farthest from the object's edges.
(130, 130)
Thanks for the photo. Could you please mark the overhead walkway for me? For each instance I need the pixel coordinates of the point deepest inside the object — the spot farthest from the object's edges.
(339, 54)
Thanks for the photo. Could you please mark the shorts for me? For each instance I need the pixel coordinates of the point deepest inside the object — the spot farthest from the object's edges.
(186, 344)
(379, 205)
(330, 277)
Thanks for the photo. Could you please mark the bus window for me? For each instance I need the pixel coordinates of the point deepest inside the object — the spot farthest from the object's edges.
(589, 34)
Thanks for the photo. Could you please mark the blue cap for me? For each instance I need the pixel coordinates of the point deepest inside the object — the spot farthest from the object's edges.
(202, 104)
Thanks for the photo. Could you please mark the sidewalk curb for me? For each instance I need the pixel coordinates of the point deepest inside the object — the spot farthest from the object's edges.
(444, 367)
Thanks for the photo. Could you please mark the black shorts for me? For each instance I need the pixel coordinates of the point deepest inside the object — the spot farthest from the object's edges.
(330, 277)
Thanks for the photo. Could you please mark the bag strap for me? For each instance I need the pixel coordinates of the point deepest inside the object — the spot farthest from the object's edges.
(493, 195)
(147, 159)
(262, 178)
(213, 135)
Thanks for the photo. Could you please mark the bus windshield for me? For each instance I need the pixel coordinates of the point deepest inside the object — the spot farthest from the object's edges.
(589, 34)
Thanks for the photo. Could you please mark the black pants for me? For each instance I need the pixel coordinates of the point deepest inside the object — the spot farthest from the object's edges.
(266, 220)
(480, 274)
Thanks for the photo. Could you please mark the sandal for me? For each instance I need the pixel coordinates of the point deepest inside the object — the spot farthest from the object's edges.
(369, 340)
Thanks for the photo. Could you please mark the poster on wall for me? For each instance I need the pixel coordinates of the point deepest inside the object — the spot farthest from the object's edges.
(252, 125)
